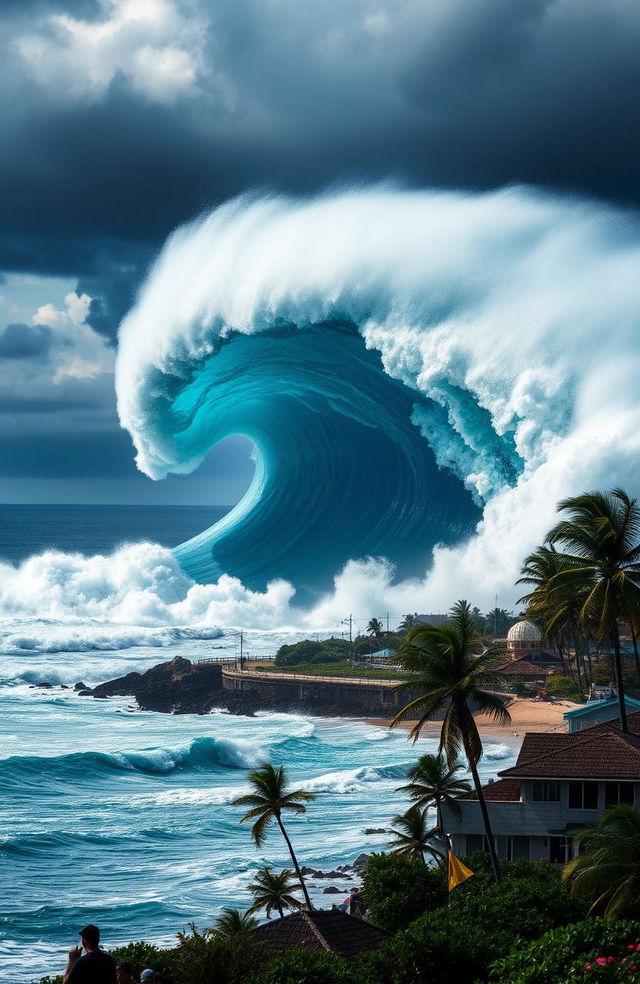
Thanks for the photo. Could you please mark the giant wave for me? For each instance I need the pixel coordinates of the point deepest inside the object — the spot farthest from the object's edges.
(401, 361)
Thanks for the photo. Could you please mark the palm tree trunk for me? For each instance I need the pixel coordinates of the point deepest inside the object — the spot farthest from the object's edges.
(280, 910)
(617, 663)
(495, 864)
(295, 862)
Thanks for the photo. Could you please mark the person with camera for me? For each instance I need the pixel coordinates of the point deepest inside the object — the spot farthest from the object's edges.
(93, 966)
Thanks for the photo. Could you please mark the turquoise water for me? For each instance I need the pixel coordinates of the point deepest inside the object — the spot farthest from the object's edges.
(113, 815)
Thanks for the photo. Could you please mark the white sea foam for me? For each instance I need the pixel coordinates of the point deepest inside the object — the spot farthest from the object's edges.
(495, 753)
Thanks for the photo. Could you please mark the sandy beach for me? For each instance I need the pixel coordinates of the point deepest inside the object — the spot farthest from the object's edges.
(526, 715)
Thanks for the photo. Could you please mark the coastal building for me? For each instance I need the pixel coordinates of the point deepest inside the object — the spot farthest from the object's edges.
(525, 642)
(598, 712)
(320, 929)
(559, 784)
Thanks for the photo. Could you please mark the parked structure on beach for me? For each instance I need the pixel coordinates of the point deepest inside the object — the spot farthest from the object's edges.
(560, 784)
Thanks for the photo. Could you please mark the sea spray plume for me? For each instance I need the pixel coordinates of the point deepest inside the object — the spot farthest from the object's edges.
(503, 323)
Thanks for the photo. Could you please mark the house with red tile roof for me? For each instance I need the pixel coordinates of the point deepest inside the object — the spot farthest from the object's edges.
(559, 784)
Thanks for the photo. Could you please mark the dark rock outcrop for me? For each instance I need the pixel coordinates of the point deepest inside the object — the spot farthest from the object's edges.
(179, 686)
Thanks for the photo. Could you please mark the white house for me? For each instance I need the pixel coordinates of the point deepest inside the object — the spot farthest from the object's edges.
(560, 783)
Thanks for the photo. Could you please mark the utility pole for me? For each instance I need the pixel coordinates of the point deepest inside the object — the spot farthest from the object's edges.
(350, 621)
(387, 623)
(241, 650)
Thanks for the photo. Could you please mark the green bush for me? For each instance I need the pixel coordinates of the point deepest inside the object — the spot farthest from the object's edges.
(459, 936)
(434, 949)
(397, 891)
(559, 956)
(299, 966)
(141, 955)
(308, 651)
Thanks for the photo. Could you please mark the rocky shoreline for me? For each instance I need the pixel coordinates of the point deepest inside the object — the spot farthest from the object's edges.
(180, 686)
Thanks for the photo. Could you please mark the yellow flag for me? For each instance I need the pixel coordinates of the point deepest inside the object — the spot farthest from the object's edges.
(458, 872)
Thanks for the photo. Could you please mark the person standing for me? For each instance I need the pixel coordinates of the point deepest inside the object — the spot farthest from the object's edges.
(94, 966)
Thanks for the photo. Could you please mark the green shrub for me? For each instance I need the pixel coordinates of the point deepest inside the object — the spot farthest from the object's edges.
(299, 966)
(309, 651)
(141, 955)
(559, 956)
(434, 949)
(397, 891)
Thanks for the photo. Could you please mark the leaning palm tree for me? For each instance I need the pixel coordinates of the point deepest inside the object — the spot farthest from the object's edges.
(445, 667)
(272, 890)
(374, 628)
(608, 873)
(268, 800)
(601, 544)
(413, 836)
(434, 781)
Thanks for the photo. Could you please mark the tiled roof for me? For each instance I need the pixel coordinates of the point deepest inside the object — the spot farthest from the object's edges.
(519, 667)
(321, 930)
(633, 722)
(591, 754)
(500, 791)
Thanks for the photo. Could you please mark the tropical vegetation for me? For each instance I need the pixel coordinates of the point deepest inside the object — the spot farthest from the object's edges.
(606, 872)
(413, 837)
(433, 782)
(451, 674)
(269, 798)
(273, 890)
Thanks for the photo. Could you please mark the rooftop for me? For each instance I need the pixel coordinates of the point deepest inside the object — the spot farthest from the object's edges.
(602, 705)
(321, 930)
(601, 754)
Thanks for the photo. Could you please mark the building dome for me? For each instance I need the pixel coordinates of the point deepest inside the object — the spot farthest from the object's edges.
(524, 635)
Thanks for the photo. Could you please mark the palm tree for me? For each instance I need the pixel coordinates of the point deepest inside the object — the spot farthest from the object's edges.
(608, 873)
(602, 565)
(408, 622)
(432, 780)
(445, 665)
(233, 924)
(272, 890)
(374, 627)
(268, 801)
(413, 836)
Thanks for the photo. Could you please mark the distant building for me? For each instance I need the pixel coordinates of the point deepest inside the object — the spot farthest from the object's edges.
(598, 712)
(524, 642)
(523, 637)
(321, 929)
(560, 783)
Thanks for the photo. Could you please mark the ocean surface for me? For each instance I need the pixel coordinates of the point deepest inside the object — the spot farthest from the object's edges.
(124, 818)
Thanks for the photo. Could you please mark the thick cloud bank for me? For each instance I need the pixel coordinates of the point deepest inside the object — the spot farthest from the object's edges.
(511, 317)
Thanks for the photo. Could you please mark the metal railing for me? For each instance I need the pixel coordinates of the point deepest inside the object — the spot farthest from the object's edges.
(266, 675)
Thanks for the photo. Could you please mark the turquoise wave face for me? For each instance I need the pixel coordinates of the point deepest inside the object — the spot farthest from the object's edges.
(341, 470)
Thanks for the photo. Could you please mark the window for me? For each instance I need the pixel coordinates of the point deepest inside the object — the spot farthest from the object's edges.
(546, 792)
(559, 850)
(583, 795)
(618, 792)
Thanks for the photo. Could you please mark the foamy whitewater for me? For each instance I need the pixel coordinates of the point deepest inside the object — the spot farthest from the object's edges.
(121, 817)
(423, 376)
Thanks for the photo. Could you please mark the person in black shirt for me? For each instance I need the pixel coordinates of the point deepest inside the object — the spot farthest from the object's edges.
(94, 966)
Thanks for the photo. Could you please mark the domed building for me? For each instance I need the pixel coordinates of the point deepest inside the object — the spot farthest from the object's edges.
(523, 637)
(524, 647)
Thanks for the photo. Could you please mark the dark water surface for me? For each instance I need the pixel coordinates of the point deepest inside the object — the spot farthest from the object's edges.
(31, 529)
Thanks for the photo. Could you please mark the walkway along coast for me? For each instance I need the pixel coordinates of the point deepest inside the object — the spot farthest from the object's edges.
(183, 687)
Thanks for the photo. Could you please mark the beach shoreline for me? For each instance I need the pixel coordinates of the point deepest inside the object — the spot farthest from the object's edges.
(526, 715)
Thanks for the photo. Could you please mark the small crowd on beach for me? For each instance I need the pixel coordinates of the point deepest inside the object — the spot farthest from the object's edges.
(89, 964)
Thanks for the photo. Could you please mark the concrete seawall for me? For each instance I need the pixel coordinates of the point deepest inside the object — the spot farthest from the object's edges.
(355, 695)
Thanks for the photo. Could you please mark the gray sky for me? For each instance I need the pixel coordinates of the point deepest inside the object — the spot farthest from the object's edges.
(123, 118)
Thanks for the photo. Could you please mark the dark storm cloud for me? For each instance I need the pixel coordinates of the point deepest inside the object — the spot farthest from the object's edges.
(293, 97)
(18, 341)
(471, 93)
